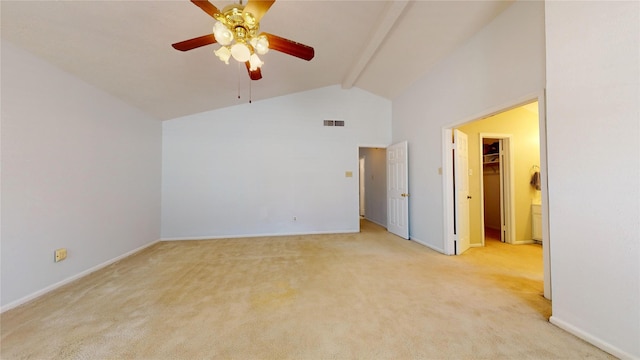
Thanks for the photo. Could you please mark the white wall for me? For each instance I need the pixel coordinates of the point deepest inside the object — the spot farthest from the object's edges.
(593, 134)
(249, 170)
(80, 170)
(501, 64)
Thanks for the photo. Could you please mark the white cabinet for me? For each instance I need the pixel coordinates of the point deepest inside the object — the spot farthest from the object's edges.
(536, 222)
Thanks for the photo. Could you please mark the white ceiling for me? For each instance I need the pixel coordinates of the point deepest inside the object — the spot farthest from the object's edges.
(124, 47)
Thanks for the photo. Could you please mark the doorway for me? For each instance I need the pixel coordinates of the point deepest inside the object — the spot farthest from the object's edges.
(373, 184)
(491, 189)
(524, 157)
(497, 188)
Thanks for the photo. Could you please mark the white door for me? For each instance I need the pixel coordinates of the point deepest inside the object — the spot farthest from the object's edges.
(503, 198)
(362, 191)
(398, 190)
(461, 192)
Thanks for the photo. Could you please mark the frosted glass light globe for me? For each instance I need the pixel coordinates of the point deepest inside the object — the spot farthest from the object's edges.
(255, 62)
(240, 52)
(224, 54)
(260, 44)
(223, 35)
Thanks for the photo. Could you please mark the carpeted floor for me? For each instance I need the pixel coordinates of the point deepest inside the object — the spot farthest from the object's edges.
(370, 295)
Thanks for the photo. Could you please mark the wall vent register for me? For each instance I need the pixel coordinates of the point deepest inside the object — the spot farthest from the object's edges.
(334, 123)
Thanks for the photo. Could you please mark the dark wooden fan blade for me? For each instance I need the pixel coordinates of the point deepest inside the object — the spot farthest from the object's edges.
(207, 7)
(290, 47)
(255, 74)
(195, 42)
(258, 8)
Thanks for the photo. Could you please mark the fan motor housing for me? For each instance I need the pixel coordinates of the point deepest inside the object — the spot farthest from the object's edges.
(243, 24)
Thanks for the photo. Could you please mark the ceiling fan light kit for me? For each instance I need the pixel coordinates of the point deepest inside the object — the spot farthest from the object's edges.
(224, 54)
(223, 35)
(236, 29)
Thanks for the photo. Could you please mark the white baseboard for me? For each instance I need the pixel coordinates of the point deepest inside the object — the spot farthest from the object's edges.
(524, 242)
(592, 339)
(427, 245)
(216, 237)
(50, 288)
(375, 222)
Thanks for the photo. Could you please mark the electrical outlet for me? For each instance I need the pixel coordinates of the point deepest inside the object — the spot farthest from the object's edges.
(295, 218)
(60, 254)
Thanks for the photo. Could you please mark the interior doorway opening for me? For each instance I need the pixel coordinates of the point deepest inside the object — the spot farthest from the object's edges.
(498, 190)
(373, 185)
(528, 151)
(491, 188)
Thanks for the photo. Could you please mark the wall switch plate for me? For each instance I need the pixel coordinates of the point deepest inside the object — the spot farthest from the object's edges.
(60, 254)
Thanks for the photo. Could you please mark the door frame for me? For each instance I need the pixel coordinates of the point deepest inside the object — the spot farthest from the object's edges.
(361, 187)
(371, 146)
(508, 192)
(447, 177)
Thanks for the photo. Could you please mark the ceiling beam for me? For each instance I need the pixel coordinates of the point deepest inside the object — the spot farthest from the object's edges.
(391, 14)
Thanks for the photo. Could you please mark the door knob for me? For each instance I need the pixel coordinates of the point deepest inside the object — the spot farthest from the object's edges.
(404, 195)
(468, 196)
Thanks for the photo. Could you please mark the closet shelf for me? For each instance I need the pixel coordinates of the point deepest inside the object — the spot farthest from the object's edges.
(491, 159)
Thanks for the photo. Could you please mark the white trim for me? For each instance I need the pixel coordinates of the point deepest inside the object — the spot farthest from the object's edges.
(481, 195)
(508, 189)
(523, 100)
(546, 236)
(524, 242)
(591, 339)
(217, 237)
(447, 189)
(66, 281)
(428, 245)
(374, 146)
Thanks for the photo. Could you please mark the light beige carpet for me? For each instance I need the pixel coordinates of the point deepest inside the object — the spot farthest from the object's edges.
(357, 296)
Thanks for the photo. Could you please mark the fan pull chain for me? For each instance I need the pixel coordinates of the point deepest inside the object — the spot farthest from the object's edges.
(250, 81)
(238, 73)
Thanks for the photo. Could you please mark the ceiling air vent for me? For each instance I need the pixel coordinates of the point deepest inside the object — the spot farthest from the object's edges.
(334, 123)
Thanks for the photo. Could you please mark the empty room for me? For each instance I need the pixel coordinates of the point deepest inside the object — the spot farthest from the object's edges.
(195, 179)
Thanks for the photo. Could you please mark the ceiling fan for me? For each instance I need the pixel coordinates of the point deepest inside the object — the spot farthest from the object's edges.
(237, 31)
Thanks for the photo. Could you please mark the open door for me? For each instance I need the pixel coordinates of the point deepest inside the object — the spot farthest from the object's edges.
(461, 192)
(398, 189)
(362, 189)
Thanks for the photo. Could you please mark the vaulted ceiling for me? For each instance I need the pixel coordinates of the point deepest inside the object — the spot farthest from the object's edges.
(124, 47)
